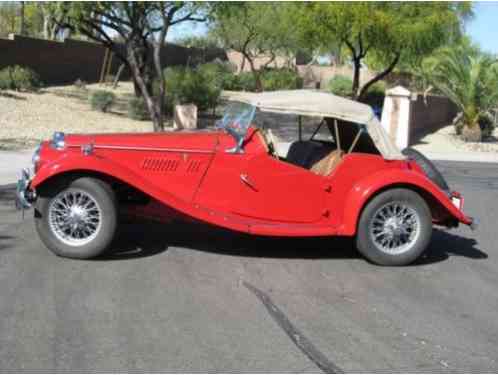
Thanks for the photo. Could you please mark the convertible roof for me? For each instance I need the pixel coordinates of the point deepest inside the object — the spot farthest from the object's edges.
(321, 104)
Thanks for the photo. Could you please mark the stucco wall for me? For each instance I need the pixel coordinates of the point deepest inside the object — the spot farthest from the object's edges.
(65, 62)
(430, 114)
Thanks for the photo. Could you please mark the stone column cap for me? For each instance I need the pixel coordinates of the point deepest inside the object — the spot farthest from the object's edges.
(399, 91)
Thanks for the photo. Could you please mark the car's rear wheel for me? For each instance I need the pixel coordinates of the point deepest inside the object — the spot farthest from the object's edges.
(76, 218)
(395, 228)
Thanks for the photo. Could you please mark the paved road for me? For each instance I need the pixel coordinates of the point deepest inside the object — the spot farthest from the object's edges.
(190, 299)
(11, 162)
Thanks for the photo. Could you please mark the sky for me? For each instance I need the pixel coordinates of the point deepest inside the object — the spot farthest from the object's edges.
(482, 28)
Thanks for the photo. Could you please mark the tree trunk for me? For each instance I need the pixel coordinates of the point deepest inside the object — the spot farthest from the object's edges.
(256, 74)
(22, 26)
(46, 21)
(118, 75)
(472, 133)
(378, 77)
(162, 84)
(137, 51)
(356, 77)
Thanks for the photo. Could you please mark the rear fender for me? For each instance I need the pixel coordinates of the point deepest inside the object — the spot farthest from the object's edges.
(368, 187)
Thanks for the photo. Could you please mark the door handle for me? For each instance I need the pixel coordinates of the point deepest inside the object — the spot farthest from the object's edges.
(245, 179)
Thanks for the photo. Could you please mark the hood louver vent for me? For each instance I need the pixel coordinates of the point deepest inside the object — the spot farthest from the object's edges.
(194, 166)
(160, 164)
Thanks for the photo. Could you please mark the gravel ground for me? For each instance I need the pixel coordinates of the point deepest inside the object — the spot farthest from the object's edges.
(446, 140)
(27, 118)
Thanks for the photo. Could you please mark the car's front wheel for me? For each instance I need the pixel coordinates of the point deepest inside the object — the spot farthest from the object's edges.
(395, 228)
(76, 218)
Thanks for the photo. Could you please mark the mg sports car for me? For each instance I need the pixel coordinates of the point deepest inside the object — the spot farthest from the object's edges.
(352, 182)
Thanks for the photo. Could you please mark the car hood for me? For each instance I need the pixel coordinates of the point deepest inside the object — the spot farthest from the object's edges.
(174, 140)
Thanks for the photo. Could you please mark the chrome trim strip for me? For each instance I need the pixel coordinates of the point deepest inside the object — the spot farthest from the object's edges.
(132, 148)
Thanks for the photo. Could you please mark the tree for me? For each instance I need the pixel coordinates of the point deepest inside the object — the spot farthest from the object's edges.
(143, 27)
(9, 18)
(54, 16)
(256, 30)
(384, 34)
(469, 78)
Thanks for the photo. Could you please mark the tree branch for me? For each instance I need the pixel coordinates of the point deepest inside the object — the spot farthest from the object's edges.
(379, 76)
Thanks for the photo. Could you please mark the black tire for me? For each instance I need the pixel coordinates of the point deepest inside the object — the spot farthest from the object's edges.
(428, 167)
(105, 198)
(373, 250)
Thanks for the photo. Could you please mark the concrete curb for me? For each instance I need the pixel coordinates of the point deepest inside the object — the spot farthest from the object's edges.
(466, 156)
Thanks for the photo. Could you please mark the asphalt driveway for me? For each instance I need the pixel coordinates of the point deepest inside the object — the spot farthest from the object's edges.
(192, 299)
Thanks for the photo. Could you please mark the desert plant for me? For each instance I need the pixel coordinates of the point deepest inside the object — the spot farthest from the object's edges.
(200, 85)
(281, 79)
(80, 84)
(19, 78)
(469, 78)
(486, 124)
(102, 100)
(341, 86)
(137, 109)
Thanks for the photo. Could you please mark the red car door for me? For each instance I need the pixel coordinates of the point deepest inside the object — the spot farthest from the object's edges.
(278, 191)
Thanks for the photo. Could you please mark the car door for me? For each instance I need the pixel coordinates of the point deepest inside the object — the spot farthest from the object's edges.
(274, 190)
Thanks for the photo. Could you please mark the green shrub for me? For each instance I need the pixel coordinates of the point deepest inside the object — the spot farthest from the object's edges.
(281, 79)
(200, 85)
(486, 123)
(5, 79)
(137, 109)
(19, 78)
(272, 79)
(102, 100)
(341, 86)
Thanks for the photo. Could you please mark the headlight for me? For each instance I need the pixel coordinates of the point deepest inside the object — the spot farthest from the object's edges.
(35, 159)
(36, 155)
(58, 141)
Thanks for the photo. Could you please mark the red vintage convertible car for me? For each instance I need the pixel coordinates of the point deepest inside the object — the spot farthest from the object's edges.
(353, 182)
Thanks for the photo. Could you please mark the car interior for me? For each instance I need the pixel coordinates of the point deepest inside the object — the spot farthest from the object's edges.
(323, 156)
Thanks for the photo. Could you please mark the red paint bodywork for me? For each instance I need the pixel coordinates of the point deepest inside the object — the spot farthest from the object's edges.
(191, 174)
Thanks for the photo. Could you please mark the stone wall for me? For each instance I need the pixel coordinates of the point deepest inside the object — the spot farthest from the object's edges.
(65, 62)
(319, 76)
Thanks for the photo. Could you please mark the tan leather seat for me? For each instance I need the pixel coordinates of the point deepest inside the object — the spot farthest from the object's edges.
(326, 165)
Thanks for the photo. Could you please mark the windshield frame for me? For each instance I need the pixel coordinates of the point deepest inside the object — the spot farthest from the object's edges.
(237, 117)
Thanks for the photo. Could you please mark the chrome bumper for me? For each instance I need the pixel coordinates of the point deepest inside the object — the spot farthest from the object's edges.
(24, 195)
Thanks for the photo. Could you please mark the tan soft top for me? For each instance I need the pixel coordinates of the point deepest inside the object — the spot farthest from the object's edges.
(321, 104)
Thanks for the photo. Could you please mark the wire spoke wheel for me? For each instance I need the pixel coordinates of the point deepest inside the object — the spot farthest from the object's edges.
(395, 227)
(75, 217)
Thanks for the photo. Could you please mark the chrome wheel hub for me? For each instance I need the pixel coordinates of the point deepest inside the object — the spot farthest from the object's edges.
(395, 227)
(75, 217)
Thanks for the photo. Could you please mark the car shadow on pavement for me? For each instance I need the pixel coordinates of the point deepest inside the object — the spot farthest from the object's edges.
(445, 244)
(145, 238)
(7, 193)
(5, 242)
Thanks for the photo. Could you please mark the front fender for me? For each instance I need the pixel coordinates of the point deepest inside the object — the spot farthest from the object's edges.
(72, 162)
(368, 187)
(69, 162)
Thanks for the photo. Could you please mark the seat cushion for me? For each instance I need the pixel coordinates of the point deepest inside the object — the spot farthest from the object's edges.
(305, 153)
(326, 165)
